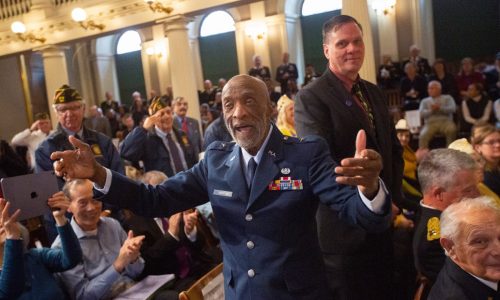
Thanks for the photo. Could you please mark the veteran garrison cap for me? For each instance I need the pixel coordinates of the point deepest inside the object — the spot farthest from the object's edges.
(66, 94)
(156, 104)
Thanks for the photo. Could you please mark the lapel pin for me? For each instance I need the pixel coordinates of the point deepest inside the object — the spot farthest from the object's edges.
(285, 171)
(232, 158)
(272, 153)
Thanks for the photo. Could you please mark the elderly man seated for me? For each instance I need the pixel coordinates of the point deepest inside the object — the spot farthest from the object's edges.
(111, 259)
(470, 236)
(445, 176)
(437, 111)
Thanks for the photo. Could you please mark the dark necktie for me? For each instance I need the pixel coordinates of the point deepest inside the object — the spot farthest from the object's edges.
(183, 258)
(252, 165)
(164, 225)
(174, 152)
(356, 90)
(185, 126)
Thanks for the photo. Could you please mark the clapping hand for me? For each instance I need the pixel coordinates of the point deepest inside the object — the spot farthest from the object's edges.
(129, 252)
(363, 169)
(59, 204)
(8, 223)
(190, 220)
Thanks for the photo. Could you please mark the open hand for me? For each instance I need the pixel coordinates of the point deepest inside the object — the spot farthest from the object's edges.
(129, 252)
(363, 169)
(8, 223)
(79, 163)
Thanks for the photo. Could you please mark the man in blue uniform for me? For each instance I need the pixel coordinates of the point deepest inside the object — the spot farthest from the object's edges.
(264, 190)
(70, 110)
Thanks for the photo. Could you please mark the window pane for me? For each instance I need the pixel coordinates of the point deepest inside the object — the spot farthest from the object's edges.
(312, 7)
(129, 41)
(217, 22)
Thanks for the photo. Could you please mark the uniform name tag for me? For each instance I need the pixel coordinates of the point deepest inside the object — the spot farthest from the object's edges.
(223, 193)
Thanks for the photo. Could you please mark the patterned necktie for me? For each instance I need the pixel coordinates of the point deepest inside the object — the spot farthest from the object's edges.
(356, 90)
(185, 126)
(174, 152)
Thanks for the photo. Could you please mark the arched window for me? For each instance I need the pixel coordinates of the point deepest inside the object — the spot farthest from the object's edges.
(312, 7)
(216, 23)
(129, 41)
(218, 46)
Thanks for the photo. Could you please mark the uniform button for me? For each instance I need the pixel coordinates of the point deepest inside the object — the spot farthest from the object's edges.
(251, 273)
(250, 245)
(248, 217)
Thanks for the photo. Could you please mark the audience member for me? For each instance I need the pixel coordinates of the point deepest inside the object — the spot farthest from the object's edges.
(138, 108)
(286, 121)
(158, 144)
(210, 116)
(109, 103)
(292, 88)
(28, 273)
(114, 121)
(220, 85)
(446, 176)
(411, 187)
(126, 126)
(171, 245)
(421, 64)
(186, 124)
(493, 79)
(486, 141)
(464, 146)
(336, 106)
(258, 70)
(476, 108)
(412, 87)
(273, 95)
(208, 93)
(437, 111)
(217, 101)
(389, 74)
(269, 239)
(310, 74)
(285, 72)
(217, 131)
(111, 259)
(447, 80)
(69, 107)
(96, 121)
(33, 136)
(470, 234)
(466, 76)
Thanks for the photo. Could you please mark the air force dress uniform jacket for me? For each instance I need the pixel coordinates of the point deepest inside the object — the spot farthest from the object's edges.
(104, 151)
(268, 233)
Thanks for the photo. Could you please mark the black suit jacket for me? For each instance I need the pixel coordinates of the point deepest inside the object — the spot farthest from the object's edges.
(158, 249)
(325, 108)
(453, 283)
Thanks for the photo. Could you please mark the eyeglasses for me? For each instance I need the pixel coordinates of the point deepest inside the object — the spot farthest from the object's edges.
(491, 143)
(63, 109)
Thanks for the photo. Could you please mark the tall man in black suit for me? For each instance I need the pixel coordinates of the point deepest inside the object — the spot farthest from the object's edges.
(358, 263)
(286, 71)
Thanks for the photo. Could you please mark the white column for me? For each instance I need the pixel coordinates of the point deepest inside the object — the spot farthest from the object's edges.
(241, 53)
(106, 79)
(359, 10)
(261, 46)
(183, 69)
(295, 45)
(423, 28)
(387, 34)
(86, 76)
(56, 73)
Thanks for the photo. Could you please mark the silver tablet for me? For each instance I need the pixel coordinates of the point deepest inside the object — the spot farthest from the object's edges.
(30, 193)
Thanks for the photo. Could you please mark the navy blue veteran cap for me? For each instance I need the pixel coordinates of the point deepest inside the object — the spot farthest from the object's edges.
(66, 94)
(156, 104)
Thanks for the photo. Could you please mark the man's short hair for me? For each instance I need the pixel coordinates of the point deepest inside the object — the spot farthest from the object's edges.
(335, 23)
(452, 216)
(153, 177)
(440, 167)
(177, 99)
(70, 185)
(42, 116)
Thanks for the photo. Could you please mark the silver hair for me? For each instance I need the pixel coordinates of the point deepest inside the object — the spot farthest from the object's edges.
(435, 82)
(451, 221)
(153, 177)
(440, 167)
(70, 185)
